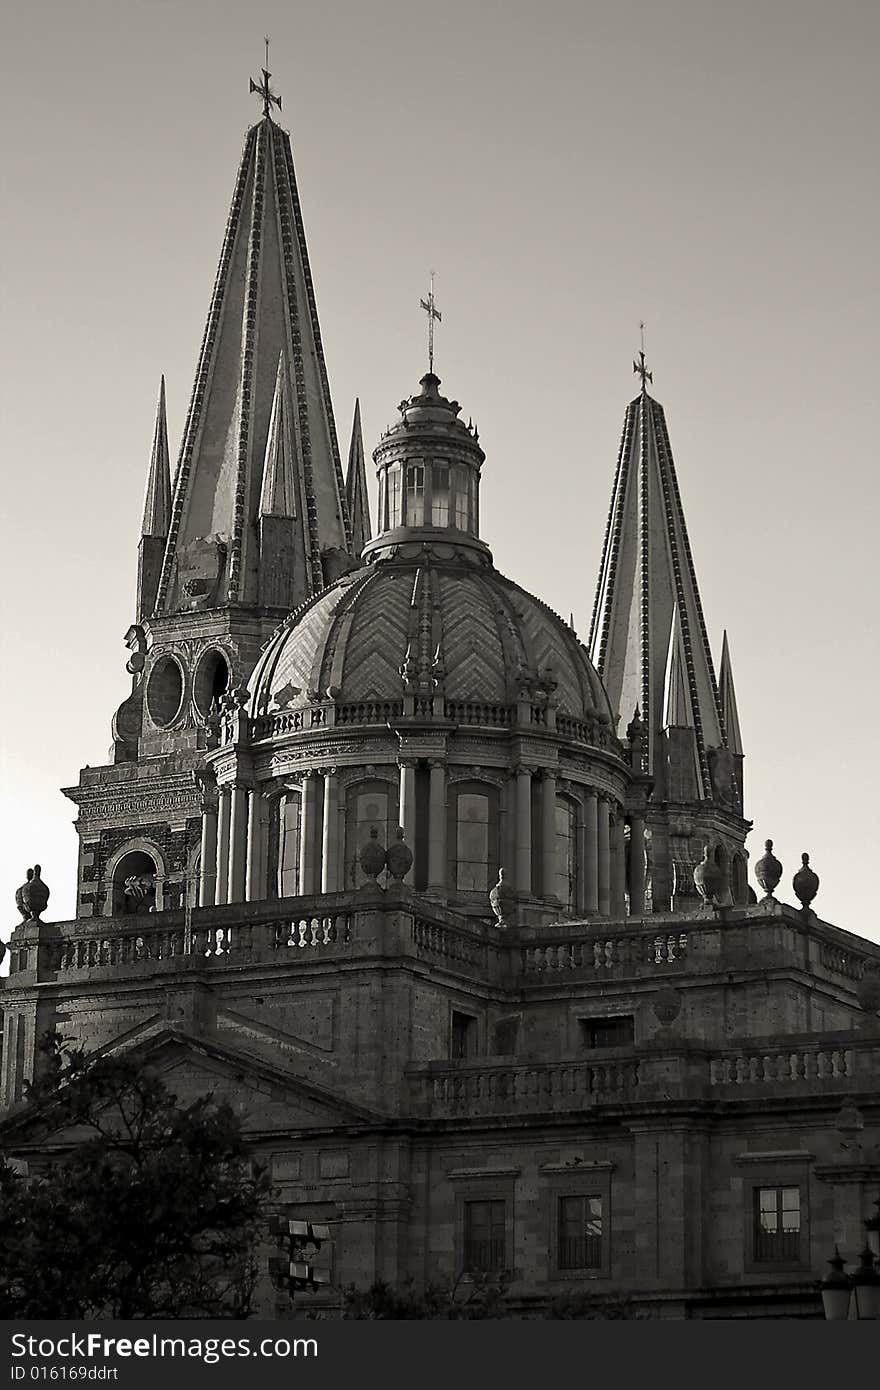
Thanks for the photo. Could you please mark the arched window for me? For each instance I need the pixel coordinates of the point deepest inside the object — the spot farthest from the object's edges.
(290, 809)
(133, 884)
(369, 806)
(566, 853)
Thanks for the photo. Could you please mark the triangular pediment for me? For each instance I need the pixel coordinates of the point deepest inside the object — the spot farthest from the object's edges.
(265, 1096)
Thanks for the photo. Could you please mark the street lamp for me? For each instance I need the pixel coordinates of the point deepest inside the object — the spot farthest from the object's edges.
(856, 1295)
(298, 1268)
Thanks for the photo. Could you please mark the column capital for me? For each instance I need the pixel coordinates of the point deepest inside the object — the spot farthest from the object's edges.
(328, 771)
(523, 770)
(206, 782)
(435, 763)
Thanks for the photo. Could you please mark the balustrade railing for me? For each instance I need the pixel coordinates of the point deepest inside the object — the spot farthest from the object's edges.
(785, 1065)
(487, 716)
(208, 943)
(505, 1090)
(605, 953)
(445, 943)
(369, 712)
(840, 961)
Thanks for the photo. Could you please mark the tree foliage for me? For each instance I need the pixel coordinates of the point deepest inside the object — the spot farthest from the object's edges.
(151, 1210)
(477, 1296)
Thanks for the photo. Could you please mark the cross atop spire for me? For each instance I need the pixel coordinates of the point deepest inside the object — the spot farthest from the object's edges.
(264, 90)
(639, 366)
(433, 313)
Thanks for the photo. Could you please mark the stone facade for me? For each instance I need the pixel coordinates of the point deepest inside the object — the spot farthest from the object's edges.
(627, 1075)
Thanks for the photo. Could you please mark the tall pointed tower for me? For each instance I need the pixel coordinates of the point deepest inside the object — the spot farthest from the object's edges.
(649, 642)
(257, 523)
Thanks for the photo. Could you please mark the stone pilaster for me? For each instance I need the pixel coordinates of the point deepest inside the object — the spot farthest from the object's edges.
(523, 876)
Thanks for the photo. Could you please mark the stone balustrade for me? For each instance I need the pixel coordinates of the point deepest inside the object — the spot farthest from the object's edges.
(483, 1089)
(599, 953)
(662, 1069)
(784, 1066)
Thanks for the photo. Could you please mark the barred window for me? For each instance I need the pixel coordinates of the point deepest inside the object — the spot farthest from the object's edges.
(462, 1036)
(618, 1031)
(484, 1235)
(777, 1224)
(579, 1236)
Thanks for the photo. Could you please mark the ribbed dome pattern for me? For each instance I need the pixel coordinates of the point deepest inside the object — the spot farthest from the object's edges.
(418, 623)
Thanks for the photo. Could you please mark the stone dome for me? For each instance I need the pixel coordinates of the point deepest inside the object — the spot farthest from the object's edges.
(427, 620)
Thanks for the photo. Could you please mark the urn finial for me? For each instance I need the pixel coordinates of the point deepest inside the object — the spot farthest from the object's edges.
(33, 895)
(372, 856)
(502, 900)
(768, 872)
(805, 883)
(399, 857)
(707, 876)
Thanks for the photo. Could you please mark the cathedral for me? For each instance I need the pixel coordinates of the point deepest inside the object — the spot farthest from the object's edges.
(452, 906)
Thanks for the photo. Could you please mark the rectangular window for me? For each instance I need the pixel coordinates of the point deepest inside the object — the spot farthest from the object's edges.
(288, 886)
(472, 843)
(415, 494)
(484, 1236)
(440, 494)
(394, 518)
(608, 1032)
(566, 853)
(777, 1224)
(461, 499)
(462, 1036)
(579, 1233)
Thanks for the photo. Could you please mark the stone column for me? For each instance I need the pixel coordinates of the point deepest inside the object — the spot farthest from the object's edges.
(408, 808)
(437, 828)
(523, 876)
(238, 842)
(636, 866)
(330, 833)
(591, 854)
(603, 857)
(618, 865)
(255, 878)
(221, 875)
(548, 835)
(307, 822)
(208, 859)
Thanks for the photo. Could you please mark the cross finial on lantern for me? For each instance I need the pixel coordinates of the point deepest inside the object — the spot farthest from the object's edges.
(433, 313)
(639, 366)
(264, 90)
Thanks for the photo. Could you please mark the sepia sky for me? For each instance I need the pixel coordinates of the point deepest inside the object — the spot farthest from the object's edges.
(567, 168)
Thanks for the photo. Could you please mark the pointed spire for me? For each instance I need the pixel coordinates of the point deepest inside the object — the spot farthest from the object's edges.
(648, 636)
(278, 495)
(263, 307)
(728, 701)
(676, 705)
(157, 502)
(356, 486)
